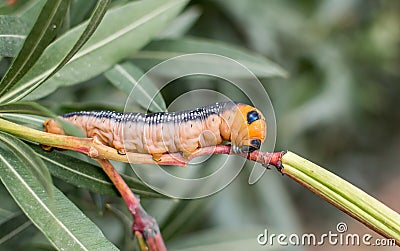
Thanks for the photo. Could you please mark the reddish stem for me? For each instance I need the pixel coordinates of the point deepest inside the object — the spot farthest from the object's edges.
(142, 222)
(264, 158)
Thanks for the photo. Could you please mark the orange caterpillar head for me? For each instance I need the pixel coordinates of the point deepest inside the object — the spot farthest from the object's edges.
(245, 127)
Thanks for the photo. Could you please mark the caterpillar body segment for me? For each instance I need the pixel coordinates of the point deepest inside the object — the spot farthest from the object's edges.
(158, 133)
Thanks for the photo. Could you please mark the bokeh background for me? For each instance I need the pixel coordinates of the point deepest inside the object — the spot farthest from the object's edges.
(338, 107)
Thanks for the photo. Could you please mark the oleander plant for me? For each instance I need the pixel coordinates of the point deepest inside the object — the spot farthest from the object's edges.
(330, 69)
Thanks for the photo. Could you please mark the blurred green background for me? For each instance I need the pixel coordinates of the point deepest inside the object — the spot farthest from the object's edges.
(338, 107)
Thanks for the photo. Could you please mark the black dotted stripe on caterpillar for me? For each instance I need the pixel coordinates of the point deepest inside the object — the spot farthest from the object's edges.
(156, 118)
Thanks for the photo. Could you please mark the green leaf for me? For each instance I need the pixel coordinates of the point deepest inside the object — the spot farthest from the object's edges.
(85, 175)
(161, 50)
(181, 24)
(123, 31)
(42, 33)
(35, 122)
(125, 76)
(26, 108)
(27, 156)
(64, 225)
(12, 35)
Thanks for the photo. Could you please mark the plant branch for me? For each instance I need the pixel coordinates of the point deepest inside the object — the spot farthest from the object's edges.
(144, 226)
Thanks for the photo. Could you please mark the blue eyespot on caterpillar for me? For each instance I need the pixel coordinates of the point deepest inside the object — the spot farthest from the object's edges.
(169, 132)
(252, 116)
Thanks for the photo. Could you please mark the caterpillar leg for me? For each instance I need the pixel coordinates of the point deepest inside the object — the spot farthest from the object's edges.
(119, 146)
(121, 151)
(157, 156)
(46, 148)
(186, 155)
(51, 126)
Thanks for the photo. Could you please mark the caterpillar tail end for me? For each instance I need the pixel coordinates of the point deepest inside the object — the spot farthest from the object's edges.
(51, 126)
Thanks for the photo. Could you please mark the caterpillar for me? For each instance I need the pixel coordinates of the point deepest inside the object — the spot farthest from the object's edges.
(168, 132)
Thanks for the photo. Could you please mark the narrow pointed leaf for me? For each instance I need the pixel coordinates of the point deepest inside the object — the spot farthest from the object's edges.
(123, 31)
(126, 76)
(33, 121)
(26, 108)
(161, 50)
(181, 23)
(42, 33)
(63, 224)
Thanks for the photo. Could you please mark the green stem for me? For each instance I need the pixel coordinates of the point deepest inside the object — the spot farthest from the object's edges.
(39, 136)
(343, 195)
